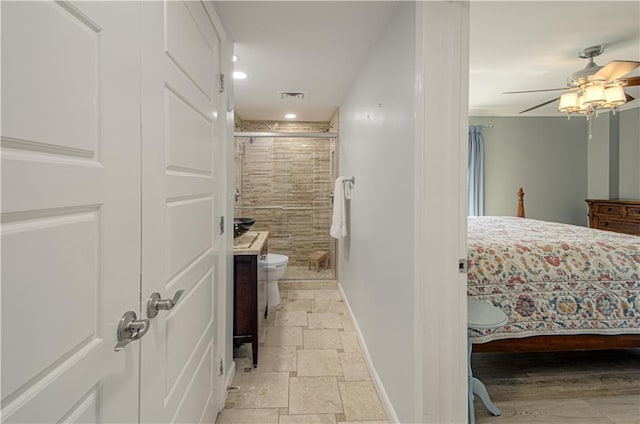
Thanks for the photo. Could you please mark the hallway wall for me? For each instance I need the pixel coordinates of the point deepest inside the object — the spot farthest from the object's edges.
(376, 258)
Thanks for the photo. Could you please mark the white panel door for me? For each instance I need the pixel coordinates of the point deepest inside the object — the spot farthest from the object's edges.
(180, 186)
(70, 210)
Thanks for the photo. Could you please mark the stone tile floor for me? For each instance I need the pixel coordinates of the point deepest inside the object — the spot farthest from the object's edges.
(311, 369)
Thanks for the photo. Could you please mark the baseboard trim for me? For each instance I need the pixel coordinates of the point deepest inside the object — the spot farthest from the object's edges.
(386, 402)
(231, 373)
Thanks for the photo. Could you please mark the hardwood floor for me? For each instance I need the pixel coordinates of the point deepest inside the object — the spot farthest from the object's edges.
(566, 387)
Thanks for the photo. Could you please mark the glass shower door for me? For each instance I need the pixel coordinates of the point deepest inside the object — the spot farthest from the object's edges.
(307, 178)
(285, 184)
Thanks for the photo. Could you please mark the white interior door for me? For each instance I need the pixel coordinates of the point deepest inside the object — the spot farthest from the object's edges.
(70, 210)
(181, 194)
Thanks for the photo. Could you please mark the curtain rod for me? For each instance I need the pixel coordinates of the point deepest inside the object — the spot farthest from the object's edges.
(287, 134)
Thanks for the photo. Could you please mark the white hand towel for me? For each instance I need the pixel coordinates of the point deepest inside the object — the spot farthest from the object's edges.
(339, 221)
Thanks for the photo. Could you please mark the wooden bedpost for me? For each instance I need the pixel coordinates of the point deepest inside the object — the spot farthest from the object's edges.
(520, 203)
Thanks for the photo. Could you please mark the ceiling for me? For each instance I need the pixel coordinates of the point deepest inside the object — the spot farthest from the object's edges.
(518, 46)
(317, 47)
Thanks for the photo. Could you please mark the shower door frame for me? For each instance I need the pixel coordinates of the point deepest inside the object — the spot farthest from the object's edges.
(333, 166)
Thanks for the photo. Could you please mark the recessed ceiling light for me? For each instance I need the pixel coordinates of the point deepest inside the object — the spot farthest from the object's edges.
(239, 75)
(234, 58)
(290, 116)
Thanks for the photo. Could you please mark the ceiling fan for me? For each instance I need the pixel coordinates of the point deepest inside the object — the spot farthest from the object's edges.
(593, 88)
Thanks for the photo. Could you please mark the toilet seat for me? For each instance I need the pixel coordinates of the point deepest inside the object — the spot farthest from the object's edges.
(274, 266)
(275, 260)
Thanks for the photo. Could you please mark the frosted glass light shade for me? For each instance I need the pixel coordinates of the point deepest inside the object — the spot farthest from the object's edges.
(594, 94)
(582, 106)
(615, 95)
(568, 102)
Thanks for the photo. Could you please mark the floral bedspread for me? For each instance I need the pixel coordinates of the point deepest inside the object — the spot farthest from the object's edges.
(552, 278)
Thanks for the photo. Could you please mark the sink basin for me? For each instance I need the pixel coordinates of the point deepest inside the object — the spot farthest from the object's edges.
(242, 225)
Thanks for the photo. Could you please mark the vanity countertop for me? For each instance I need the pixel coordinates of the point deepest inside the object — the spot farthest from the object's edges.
(250, 243)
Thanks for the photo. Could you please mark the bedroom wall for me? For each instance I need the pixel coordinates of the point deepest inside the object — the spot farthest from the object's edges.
(614, 156)
(630, 154)
(546, 156)
(376, 259)
(598, 159)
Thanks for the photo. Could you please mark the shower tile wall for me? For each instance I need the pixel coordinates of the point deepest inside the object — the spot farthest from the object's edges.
(285, 185)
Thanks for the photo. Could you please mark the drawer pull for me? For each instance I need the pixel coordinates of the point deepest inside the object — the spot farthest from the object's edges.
(605, 224)
(608, 209)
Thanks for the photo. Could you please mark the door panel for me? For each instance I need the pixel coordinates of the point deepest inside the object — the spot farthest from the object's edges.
(65, 42)
(188, 44)
(189, 231)
(185, 329)
(70, 210)
(180, 194)
(78, 287)
(189, 136)
(197, 392)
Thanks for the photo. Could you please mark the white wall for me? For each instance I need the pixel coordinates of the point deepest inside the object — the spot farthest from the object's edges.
(376, 259)
(546, 156)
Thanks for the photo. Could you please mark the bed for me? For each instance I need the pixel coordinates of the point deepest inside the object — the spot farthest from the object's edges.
(563, 287)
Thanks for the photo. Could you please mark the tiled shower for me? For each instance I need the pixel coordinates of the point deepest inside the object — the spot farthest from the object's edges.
(285, 184)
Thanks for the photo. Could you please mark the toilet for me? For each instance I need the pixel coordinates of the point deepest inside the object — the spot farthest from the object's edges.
(275, 265)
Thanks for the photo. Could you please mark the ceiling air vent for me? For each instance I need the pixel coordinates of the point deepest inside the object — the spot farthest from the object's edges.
(291, 95)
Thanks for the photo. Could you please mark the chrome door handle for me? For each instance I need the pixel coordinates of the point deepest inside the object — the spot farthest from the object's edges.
(155, 303)
(129, 329)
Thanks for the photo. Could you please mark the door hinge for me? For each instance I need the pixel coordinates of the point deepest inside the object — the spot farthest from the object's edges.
(222, 225)
(221, 83)
(462, 266)
(221, 370)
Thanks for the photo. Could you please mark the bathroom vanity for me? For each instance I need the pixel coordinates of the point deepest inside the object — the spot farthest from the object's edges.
(249, 289)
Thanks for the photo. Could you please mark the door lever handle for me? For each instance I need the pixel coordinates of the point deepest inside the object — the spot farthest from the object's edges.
(129, 329)
(155, 303)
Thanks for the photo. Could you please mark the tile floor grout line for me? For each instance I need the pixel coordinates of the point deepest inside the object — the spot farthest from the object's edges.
(316, 298)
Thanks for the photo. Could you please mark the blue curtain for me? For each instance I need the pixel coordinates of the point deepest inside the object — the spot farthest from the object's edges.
(475, 172)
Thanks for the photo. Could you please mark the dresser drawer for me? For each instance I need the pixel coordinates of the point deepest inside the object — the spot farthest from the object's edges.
(626, 227)
(632, 212)
(608, 209)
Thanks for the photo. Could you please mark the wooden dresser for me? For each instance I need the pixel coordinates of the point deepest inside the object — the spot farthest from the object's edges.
(621, 216)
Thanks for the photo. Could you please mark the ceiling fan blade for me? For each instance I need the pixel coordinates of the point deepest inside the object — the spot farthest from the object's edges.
(537, 91)
(540, 105)
(616, 69)
(632, 81)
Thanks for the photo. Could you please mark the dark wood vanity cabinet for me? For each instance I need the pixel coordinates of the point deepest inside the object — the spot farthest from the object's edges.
(250, 300)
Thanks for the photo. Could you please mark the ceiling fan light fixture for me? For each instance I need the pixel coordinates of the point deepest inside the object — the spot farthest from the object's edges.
(582, 106)
(615, 96)
(595, 88)
(594, 94)
(569, 102)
